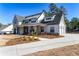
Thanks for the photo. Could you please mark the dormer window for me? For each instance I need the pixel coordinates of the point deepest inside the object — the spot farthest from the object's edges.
(25, 21)
(33, 20)
(48, 19)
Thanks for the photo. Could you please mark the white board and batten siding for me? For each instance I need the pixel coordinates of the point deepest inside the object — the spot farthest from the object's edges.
(62, 26)
(41, 17)
(56, 28)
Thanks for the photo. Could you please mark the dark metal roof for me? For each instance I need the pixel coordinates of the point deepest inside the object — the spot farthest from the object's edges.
(38, 14)
(55, 21)
(19, 18)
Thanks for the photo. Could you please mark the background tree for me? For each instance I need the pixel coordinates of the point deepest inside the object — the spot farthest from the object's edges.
(68, 27)
(74, 23)
(53, 8)
(78, 25)
(48, 13)
(63, 10)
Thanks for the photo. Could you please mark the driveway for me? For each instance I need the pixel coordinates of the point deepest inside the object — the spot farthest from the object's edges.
(27, 48)
(67, 37)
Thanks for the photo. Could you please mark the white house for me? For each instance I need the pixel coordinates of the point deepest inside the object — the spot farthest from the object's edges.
(40, 23)
(7, 29)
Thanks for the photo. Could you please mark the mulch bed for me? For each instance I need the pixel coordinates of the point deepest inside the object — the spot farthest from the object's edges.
(17, 40)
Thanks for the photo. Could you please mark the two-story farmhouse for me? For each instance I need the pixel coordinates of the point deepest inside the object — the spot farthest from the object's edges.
(39, 23)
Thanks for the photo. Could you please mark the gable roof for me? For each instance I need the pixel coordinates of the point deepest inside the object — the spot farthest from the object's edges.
(55, 21)
(19, 18)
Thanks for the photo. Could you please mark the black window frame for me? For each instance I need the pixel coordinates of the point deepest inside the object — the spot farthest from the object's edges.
(33, 20)
(48, 19)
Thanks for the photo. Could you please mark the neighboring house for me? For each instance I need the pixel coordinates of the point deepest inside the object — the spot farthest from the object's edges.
(6, 29)
(39, 23)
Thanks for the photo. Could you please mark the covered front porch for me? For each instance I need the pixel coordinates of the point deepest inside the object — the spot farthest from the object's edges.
(30, 29)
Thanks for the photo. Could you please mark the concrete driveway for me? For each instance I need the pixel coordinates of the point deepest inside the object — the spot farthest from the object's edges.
(67, 37)
(27, 48)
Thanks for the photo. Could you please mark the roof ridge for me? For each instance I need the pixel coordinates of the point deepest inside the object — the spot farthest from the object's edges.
(19, 15)
(33, 14)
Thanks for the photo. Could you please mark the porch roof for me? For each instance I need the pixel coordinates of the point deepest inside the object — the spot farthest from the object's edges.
(32, 24)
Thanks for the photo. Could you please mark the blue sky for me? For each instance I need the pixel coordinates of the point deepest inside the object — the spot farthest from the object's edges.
(8, 10)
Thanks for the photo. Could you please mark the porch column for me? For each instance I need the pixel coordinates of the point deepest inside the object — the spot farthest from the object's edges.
(29, 29)
(38, 29)
(21, 30)
(16, 30)
(35, 29)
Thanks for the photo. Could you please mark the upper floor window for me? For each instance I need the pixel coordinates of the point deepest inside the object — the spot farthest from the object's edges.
(47, 18)
(25, 21)
(33, 20)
